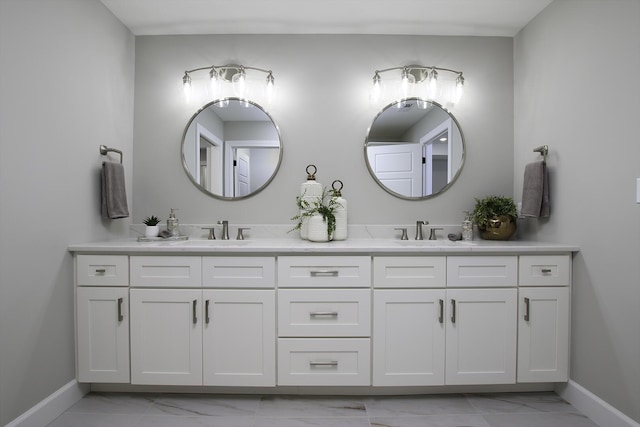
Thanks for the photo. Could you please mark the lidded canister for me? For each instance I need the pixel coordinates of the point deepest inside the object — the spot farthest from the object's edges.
(310, 193)
(340, 211)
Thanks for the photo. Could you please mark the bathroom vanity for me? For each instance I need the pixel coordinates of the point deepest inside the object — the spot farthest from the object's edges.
(363, 312)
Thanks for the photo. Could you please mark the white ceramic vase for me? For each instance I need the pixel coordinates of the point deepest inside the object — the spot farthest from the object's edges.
(317, 229)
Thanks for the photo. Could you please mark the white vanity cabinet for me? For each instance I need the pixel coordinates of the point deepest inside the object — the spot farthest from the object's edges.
(324, 320)
(102, 318)
(368, 317)
(182, 334)
(460, 328)
(409, 320)
(544, 317)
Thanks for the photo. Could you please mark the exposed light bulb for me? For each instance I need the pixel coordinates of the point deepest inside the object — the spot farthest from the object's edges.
(186, 87)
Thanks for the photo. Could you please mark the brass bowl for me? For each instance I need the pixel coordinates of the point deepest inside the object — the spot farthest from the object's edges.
(500, 228)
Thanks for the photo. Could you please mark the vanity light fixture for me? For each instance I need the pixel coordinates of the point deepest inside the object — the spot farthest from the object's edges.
(233, 74)
(422, 82)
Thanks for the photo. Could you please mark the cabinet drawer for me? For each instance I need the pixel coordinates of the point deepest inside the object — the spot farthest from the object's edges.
(482, 271)
(410, 272)
(102, 270)
(166, 271)
(324, 271)
(324, 312)
(544, 270)
(238, 272)
(324, 362)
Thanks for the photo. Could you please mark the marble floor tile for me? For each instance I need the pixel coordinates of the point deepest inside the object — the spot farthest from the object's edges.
(396, 406)
(77, 419)
(205, 405)
(187, 421)
(491, 403)
(114, 403)
(431, 421)
(306, 407)
(313, 422)
(206, 410)
(540, 419)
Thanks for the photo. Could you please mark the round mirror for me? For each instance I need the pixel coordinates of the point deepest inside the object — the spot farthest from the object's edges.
(415, 149)
(231, 149)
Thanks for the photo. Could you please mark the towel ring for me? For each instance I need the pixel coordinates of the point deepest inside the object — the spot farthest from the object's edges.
(104, 150)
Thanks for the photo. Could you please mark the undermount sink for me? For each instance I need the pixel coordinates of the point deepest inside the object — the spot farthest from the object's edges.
(433, 242)
(217, 242)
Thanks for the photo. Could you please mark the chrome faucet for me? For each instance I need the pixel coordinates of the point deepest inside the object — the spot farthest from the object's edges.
(419, 225)
(225, 229)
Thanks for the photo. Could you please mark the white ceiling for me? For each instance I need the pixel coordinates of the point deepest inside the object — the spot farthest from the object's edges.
(418, 17)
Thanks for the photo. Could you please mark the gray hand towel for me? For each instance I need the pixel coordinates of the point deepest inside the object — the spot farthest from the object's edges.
(535, 191)
(114, 196)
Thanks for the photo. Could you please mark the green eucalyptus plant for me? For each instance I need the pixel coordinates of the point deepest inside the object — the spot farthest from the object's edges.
(492, 207)
(325, 206)
(151, 220)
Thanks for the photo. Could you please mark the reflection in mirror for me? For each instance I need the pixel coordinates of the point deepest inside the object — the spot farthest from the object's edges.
(231, 149)
(415, 149)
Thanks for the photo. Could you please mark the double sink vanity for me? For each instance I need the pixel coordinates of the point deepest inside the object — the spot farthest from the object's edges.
(286, 312)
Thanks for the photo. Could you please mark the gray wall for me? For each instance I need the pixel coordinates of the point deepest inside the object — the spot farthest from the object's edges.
(66, 85)
(323, 112)
(576, 89)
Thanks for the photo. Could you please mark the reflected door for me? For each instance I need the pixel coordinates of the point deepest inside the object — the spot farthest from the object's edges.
(398, 167)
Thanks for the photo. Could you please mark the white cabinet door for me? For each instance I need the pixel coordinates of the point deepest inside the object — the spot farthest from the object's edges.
(239, 338)
(166, 336)
(103, 334)
(481, 336)
(543, 334)
(408, 337)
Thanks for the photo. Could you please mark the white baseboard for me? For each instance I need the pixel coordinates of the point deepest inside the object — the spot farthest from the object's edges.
(52, 406)
(598, 411)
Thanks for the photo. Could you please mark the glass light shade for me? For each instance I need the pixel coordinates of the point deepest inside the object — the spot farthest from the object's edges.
(214, 82)
(186, 87)
(407, 83)
(376, 89)
(239, 84)
(270, 88)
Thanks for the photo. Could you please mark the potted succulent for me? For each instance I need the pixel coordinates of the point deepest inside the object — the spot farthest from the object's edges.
(495, 217)
(152, 228)
(319, 216)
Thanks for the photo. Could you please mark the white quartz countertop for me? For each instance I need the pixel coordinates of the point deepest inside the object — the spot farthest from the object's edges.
(299, 246)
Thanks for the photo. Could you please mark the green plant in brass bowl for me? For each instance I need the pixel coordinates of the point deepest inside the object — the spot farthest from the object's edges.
(495, 217)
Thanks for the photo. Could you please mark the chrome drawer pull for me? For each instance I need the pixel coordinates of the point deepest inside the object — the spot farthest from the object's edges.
(323, 313)
(441, 316)
(101, 270)
(526, 310)
(331, 363)
(120, 315)
(546, 270)
(324, 273)
(206, 312)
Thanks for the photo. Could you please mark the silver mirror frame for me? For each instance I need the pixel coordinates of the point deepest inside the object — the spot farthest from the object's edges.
(402, 196)
(197, 184)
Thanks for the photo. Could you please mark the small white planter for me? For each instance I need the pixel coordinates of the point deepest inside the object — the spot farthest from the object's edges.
(152, 230)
